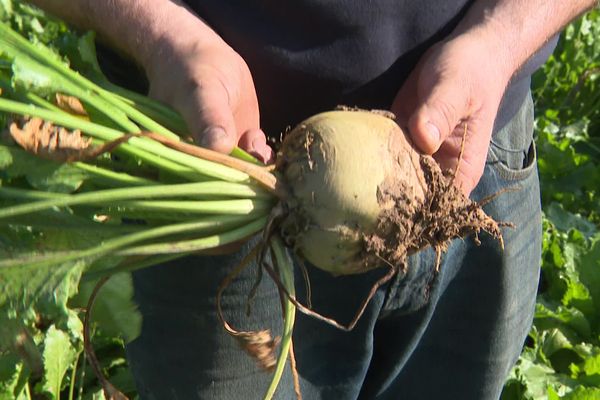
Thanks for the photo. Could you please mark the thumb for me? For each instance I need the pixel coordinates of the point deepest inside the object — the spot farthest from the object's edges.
(435, 119)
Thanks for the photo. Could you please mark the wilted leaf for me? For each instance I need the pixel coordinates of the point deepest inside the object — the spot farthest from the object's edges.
(49, 141)
(70, 104)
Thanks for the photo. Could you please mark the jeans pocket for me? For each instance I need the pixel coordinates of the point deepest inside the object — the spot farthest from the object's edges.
(512, 152)
(507, 168)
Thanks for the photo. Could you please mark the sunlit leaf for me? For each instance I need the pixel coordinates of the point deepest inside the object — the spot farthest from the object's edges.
(59, 356)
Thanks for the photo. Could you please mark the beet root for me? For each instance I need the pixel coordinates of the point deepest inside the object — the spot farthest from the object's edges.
(362, 196)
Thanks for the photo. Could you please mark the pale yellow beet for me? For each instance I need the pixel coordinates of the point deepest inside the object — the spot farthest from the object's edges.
(338, 164)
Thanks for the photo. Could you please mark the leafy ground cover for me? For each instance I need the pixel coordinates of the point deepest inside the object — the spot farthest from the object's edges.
(561, 359)
(41, 344)
(41, 336)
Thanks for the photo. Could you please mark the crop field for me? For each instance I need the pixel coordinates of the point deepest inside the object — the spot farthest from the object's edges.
(561, 359)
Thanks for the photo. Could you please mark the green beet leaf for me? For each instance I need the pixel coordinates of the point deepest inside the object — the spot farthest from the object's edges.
(11, 369)
(114, 311)
(60, 178)
(584, 393)
(590, 273)
(59, 356)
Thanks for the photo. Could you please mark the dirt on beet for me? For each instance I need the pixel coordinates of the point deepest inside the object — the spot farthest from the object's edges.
(408, 225)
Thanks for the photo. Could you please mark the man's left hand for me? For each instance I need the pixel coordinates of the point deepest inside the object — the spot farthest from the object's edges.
(456, 86)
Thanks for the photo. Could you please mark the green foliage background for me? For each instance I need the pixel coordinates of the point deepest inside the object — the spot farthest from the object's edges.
(561, 359)
(41, 311)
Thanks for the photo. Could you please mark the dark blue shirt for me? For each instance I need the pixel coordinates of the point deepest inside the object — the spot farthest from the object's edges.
(308, 56)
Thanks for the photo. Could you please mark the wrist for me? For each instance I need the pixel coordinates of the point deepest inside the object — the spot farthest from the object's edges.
(144, 29)
(485, 52)
(515, 30)
(174, 31)
(491, 40)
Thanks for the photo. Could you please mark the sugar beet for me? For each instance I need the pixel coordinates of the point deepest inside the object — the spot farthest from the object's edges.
(362, 196)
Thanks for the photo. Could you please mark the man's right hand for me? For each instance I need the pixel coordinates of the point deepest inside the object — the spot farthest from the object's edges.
(211, 86)
(188, 65)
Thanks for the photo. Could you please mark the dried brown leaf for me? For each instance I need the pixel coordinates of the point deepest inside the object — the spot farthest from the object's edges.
(49, 141)
(57, 143)
(260, 345)
(70, 104)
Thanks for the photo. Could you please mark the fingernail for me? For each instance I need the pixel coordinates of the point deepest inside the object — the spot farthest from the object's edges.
(211, 136)
(269, 156)
(433, 132)
(261, 150)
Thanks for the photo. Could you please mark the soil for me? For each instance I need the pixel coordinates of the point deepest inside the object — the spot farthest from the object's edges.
(409, 226)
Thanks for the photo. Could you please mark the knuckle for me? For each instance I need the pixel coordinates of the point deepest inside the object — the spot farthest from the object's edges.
(449, 113)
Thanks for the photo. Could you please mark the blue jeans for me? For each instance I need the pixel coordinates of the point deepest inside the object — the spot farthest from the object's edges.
(453, 334)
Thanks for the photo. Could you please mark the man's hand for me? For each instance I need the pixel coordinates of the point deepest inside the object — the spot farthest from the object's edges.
(457, 85)
(211, 86)
(460, 82)
(189, 66)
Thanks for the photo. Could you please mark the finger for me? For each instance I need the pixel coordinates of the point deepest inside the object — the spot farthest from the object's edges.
(475, 154)
(210, 117)
(440, 111)
(255, 142)
(406, 100)
(404, 105)
(468, 167)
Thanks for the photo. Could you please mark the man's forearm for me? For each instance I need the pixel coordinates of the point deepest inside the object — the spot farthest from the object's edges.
(136, 28)
(518, 28)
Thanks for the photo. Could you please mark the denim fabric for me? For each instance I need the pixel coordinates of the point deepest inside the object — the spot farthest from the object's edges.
(453, 334)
